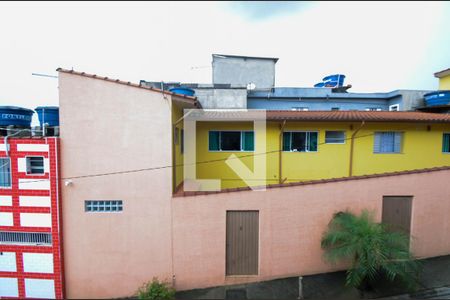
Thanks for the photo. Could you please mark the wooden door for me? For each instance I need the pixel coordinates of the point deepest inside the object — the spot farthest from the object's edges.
(397, 213)
(242, 242)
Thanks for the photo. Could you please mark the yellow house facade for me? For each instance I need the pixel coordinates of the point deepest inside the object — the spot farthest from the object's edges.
(444, 79)
(304, 146)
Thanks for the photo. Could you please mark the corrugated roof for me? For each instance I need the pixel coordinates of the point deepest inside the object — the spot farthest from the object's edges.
(128, 83)
(181, 193)
(351, 116)
(442, 73)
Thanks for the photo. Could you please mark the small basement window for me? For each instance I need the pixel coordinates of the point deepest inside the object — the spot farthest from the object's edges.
(446, 143)
(103, 206)
(25, 238)
(335, 137)
(35, 165)
(231, 141)
(300, 141)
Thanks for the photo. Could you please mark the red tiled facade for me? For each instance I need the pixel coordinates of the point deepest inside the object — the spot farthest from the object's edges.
(35, 208)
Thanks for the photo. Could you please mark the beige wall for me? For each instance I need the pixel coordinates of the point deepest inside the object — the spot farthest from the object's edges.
(292, 220)
(108, 127)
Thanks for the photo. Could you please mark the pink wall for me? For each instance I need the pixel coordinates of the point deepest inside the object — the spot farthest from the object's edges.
(292, 220)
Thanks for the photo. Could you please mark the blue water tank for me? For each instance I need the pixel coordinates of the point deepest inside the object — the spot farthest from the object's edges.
(334, 80)
(13, 115)
(320, 84)
(183, 91)
(48, 115)
(437, 98)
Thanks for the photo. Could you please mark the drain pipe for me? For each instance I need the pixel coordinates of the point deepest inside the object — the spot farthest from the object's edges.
(280, 154)
(352, 143)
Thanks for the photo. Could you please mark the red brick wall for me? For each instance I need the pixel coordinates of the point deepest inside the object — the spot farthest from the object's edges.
(54, 210)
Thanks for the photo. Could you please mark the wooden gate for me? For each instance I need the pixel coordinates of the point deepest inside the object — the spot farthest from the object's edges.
(242, 240)
(397, 213)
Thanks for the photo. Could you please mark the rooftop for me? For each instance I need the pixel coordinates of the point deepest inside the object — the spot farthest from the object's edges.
(192, 100)
(351, 116)
(317, 93)
(442, 73)
(240, 56)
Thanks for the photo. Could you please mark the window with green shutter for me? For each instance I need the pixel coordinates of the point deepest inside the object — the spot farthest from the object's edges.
(214, 141)
(446, 143)
(248, 141)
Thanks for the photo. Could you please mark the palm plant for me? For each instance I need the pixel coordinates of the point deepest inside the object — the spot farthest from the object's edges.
(372, 250)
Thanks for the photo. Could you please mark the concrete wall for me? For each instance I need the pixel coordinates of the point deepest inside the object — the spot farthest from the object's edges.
(412, 99)
(319, 104)
(292, 220)
(222, 98)
(241, 71)
(108, 127)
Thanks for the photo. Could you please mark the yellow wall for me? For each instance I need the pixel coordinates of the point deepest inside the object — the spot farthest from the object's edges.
(444, 83)
(420, 149)
(177, 113)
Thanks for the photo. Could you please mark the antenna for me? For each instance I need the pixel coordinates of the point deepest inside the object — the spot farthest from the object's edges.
(44, 75)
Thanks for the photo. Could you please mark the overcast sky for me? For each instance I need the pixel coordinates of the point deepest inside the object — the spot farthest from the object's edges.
(379, 46)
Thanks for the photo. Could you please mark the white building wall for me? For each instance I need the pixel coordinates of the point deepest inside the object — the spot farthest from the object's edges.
(34, 184)
(5, 201)
(8, 262)
(32, 147)
(35, 201)
(38, 262)
(40, 288)
(6, 219)
(9, 287)
(35, 220)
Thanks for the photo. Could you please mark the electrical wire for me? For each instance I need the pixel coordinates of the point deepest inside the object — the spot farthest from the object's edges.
(181, 165)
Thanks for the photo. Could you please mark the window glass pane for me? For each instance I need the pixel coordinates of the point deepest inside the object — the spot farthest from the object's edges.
(334, 137)
(214, 141)
(286, 141)
(312, 142)
(249, 141)
(230, 141)
(299, 141)
(446, 143)
(5, 172)
(35, 165)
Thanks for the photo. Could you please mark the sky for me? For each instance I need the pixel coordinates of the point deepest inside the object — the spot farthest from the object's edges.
(379, 46)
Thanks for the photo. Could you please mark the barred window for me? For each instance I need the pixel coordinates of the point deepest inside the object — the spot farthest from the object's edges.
(103, 206)
(25, 238)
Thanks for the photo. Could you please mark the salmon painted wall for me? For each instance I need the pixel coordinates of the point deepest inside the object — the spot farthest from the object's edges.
(292, 221)
(108, 127)
(420, 149)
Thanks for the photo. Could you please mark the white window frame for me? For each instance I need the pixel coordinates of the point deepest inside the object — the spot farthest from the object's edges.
(10, 174)
(394, 106)
(300, 108)
(28, 169)
(232, 151)
(373, 109)
(306, 146)
(345, 137)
